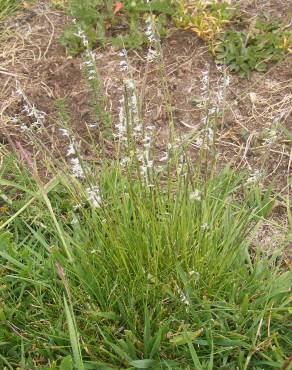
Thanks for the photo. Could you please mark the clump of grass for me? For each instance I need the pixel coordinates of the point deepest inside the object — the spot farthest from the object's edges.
(133, 265)
(7, 7)
(157, 277)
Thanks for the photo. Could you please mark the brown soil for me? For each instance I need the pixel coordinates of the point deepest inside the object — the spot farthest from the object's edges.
(31, 58)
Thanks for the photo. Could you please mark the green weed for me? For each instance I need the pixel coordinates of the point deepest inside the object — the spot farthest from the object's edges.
(245, 51)
(103, 26)
(205, 19)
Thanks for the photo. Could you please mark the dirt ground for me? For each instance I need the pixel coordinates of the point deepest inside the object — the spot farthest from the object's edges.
(255, 129)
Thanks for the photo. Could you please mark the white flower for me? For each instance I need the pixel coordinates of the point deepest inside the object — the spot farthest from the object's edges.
(92, 125)
(150, 31)
(152, 54)
(89, 55)
(74, 219)
(153, 38)
(147, 142)
(255, 177)
(124, 66)
(23, 127)
(134, 105)
(222, 89)
(212, 110)
(200, 143)
(137, 129)
(70, 150)
(205, 83)
(210, 133)
(93, 196)
(272, 136)
(129, 84)
(77, 170)
(145, 168)
(205, 137)
(184, 299)
(253, 97)
(124, 161)
(121, 125)
(82, 36)
(30, 110)
(144, 158)
(196, 195)
(194, 274)
(122, 53)
(151, 278)
(64, 132)
(164, 158)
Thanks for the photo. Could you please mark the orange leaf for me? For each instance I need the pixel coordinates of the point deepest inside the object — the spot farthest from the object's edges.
(118, 7)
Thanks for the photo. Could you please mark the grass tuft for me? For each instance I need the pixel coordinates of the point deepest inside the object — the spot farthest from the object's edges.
(158, 278)
(130, 262)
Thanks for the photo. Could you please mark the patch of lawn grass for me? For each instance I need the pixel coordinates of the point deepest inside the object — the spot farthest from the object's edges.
(7, 7)
(151, 277)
